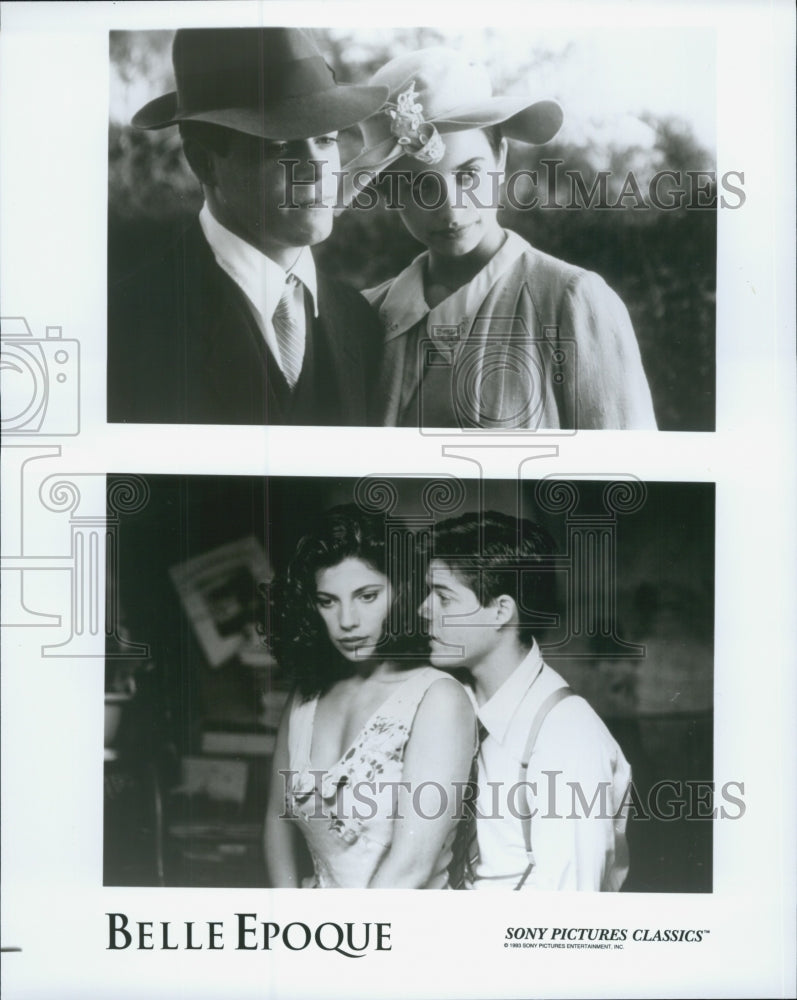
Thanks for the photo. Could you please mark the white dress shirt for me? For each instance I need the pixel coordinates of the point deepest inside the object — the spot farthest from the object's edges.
(574, 846)
(261, 279)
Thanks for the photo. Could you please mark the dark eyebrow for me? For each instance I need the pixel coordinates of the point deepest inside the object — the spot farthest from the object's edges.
(287, 142)
(359, 590)
(472, 162)
(441, 586)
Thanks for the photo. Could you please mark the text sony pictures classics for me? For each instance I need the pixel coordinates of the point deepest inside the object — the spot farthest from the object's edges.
(353, 939)
(596, 937)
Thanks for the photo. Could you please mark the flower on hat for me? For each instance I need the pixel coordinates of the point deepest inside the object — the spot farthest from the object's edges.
(419, 138)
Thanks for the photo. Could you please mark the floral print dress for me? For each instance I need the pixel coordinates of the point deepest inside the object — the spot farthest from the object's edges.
(347, 813)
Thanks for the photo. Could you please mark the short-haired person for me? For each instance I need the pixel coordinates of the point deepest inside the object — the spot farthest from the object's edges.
(486, 577)
(482, 329)
(231, 323)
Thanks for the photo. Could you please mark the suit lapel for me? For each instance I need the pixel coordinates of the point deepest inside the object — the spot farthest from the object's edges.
(238, 374)
(336, 343)
(230, 374)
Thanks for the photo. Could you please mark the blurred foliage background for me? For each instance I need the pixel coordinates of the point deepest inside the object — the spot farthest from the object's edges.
(661, 263)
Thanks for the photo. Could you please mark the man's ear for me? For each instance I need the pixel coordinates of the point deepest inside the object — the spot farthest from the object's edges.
(201, 161)
(506, 612)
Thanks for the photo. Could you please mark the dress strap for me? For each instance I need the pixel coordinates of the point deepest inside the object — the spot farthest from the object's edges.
(300, 732)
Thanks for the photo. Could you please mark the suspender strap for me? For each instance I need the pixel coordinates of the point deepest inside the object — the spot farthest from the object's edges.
(550, 702)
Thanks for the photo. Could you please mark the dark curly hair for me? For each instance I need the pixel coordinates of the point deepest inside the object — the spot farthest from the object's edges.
(494, 554)
(294, 629)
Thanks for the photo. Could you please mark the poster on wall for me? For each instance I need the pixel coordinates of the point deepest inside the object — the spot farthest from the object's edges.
(398, 466)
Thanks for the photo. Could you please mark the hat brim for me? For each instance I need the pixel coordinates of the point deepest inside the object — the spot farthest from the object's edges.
(300, 117)
(535, 123)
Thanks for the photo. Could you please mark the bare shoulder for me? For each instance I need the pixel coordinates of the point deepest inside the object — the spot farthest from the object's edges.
(446, 698)
(444, 727)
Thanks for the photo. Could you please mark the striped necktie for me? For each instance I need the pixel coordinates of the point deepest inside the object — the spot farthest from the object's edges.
(288, 329)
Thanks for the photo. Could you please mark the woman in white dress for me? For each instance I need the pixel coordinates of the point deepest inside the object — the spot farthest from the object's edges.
(373, 749)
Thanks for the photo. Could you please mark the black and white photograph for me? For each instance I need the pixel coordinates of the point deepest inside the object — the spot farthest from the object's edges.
(385, 614)
(535, 248)
(398, 483)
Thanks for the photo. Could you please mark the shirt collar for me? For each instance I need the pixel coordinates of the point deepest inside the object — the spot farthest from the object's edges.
(497, 712)
(259, 277)
(405, 304)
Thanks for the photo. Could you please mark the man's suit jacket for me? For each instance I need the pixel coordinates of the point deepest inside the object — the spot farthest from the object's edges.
(184, 347)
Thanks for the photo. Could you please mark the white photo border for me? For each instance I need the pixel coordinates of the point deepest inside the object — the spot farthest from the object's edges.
(54, 85)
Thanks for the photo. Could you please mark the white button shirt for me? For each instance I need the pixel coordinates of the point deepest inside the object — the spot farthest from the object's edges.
(261, 279)
(574, 846)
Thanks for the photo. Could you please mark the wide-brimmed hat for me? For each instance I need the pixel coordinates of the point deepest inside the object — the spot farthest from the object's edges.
(267, 82)
(434, 91)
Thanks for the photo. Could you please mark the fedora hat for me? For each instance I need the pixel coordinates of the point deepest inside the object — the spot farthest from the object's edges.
(267, 82)
(437, 90)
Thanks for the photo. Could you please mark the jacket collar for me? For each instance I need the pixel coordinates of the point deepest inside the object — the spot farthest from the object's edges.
(405, 304)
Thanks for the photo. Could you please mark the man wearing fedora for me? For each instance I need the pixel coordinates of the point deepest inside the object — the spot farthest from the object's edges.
(231, 323)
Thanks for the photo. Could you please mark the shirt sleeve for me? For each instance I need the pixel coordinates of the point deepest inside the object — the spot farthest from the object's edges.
(580, 778)
(611, 389)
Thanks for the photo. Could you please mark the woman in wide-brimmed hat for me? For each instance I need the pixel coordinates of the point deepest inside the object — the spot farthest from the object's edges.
(482, 330)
